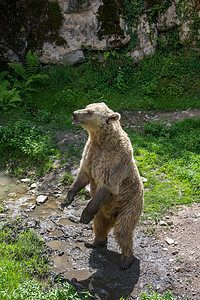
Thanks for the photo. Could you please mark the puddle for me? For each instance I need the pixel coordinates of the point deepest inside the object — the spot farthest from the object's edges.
(80, 274)
(61, 262)
(45, 210)
(57, 245)
(8, 185)
(65, 222)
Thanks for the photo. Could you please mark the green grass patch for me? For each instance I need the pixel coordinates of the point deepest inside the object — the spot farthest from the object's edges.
(158, 82)
(23, 256)
(153, 295)
(169, 157)
(27, 146)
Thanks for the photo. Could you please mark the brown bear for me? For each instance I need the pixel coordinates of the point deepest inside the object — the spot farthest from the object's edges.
(116, 188)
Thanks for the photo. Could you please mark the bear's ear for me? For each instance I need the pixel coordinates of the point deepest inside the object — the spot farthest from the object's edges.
(114, 116)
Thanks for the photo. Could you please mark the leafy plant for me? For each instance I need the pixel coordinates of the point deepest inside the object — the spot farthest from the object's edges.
(28, 74)
(24, 255)
(153, 295)
(31, 66)
(24, 144)
(9, 98)
(157, 128)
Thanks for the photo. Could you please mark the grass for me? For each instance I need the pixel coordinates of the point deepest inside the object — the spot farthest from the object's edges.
(153, 295)
(169, 158)
(24, 256)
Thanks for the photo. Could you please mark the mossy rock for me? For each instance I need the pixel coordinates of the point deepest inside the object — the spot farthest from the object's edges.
(27, 24)
(152, 3)
(109, 19)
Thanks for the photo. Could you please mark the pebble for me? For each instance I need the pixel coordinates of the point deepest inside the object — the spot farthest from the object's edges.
(33, 207)
(41, 199)
(143, 179)
(175, 252)
(170, 223)
(25, 180)
(169, 241)
(162, 223)
(33, 186)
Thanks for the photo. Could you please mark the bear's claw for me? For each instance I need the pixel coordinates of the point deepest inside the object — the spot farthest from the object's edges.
(126, 262)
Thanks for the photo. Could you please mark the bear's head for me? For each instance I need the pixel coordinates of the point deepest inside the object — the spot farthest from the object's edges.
(94, 116)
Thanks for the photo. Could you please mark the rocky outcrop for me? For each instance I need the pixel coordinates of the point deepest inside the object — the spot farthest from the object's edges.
(59, 29)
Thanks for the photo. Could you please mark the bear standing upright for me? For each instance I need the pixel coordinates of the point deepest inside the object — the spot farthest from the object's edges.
(116, 188)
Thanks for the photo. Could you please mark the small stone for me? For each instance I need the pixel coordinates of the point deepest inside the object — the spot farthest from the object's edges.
(175, 252)
(177, 269)
(169, 241)
(33, 186)
(171, 259)
(41, 199)
(33, 207)
(170, 223)
(25, 180)
(162, 223)
(143, 179)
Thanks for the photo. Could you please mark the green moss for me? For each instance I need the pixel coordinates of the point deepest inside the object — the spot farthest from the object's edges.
(30, 22)
(50, 21)
(109, 19)
(152, 3)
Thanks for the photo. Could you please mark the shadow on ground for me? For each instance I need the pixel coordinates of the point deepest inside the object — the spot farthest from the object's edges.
(109, 282)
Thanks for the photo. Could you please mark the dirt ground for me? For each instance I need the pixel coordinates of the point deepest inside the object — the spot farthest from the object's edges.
(167, 254)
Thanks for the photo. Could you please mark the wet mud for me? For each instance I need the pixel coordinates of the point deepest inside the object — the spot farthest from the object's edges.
(156, 263)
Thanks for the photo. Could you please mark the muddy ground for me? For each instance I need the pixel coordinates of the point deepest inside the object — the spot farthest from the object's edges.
(167, 254)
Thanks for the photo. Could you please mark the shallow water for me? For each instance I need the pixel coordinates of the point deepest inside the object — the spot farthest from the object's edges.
(6, 183)
(9, 185)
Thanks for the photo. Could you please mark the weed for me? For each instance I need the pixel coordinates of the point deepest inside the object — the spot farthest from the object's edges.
(67, 179)
(22, 255)
(153, 295)
(28, 74)
(168, 156)
(8, 97)
(149, 231)
(24, 247)
(22, 141)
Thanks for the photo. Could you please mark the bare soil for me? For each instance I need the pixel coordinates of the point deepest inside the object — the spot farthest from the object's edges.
(167, 254)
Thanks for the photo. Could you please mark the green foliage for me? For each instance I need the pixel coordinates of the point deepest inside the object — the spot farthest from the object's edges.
(157, 82)
(189, 12)
(67, 179)
(31, 289)
(25, 143)
(28, 75)
(133, 9)
(169, 157)
(9, 98)
(22, 256)
(24, 247)
(153, 295)
(31, 66)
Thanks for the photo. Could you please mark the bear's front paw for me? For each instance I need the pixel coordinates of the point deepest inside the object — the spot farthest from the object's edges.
(85, 217)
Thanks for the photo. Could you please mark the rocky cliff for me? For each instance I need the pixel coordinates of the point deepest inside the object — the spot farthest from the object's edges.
(59, 30)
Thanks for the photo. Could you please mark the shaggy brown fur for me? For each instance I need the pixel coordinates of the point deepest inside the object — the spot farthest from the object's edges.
(116, 188)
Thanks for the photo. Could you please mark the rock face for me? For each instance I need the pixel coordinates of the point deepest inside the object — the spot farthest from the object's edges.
(59, 29)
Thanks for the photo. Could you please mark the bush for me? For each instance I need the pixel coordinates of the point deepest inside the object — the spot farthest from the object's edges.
(25, 141)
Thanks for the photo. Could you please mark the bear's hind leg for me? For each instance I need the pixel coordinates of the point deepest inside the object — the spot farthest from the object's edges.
(124, 237)
(101, 228)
